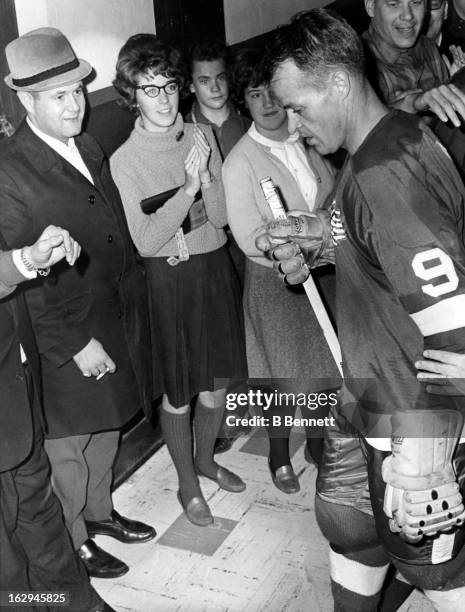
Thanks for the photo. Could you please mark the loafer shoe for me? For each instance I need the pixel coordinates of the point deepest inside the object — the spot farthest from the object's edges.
(284, 479)
(99, 563)
(197, 511)
(122, 529)
(226, 480)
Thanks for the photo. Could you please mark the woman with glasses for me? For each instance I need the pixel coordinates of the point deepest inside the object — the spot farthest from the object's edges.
(172, 171)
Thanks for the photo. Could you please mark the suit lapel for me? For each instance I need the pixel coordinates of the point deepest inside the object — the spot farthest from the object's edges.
(39, 154)
(46, 159)
(93, 159)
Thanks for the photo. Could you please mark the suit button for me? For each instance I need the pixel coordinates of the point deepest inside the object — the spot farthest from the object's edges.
(109, 238)
(120, 314)
(91, 199)
(19, 378)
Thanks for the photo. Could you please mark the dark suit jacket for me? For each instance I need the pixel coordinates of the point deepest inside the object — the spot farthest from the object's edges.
(15, 328)
(102, 296)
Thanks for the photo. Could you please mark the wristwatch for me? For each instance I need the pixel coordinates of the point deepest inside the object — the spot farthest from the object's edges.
(30, 267)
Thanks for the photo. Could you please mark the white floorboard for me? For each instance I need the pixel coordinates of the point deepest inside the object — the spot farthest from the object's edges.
(274, 560)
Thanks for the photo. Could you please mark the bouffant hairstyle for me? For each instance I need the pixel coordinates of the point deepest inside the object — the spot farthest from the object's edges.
(247, 71)
(145, 54)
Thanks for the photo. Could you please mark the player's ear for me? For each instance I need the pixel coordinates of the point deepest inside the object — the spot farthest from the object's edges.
(369, 7)
(341, 82)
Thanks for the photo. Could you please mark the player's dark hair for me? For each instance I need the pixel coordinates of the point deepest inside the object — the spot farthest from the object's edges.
(247, 71)
(143, 54)
(318, 41)
(208, 50)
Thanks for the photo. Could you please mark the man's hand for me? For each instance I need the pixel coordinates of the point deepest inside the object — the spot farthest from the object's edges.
(443, 371)
(458, 59)
(287, 257)
(295, 243)
(447, 101)
(93, 360)
(308, 230)
(52, 246)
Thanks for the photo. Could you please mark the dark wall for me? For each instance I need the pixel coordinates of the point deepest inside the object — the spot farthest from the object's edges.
(353, 12)
(109, 124)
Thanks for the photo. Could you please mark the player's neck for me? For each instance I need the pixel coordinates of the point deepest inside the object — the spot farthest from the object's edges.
(216, 115)
(367, 112)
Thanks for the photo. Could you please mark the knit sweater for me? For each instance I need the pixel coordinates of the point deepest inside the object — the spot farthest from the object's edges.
(248, 211)
(149, 163)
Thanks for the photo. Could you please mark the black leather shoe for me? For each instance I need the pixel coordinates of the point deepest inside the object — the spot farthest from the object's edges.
(121, 528)
(284, 479)
(99, 563)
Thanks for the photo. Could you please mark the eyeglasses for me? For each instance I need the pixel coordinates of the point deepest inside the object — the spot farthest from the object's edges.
(152, 91)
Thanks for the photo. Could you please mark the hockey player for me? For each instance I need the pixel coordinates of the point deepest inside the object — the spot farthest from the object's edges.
(397, 224)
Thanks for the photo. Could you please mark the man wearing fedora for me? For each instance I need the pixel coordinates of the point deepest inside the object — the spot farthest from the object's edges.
(91, 320)
(36, 552)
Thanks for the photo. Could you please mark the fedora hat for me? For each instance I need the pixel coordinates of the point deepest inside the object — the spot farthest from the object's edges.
(43, 59)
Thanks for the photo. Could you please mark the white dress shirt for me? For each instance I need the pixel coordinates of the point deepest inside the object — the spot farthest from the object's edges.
(291, 153)
(69, 151)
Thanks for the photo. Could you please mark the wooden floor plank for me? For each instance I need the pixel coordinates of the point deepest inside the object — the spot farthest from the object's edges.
(274, 559)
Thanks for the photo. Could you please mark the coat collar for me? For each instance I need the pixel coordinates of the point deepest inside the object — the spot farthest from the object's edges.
(44, 158)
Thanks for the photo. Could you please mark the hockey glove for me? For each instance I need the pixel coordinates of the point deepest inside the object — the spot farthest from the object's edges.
(297, 243)
(422, 497)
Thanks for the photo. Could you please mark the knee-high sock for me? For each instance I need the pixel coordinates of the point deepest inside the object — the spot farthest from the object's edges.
(279, 452)
(177, 432)
(207, 422)
(356, 586)
(279, 435)
(239, 411)
(315, 434)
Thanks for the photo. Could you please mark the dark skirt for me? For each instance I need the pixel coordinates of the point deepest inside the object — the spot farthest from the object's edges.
(196, 324)
(284, 339)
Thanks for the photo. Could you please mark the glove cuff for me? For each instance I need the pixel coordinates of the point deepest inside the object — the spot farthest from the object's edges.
(423, 444)
(444, 423)
(418, 482)
(325, 254)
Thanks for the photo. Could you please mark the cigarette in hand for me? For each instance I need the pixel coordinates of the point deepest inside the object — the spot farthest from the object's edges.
(102, 374)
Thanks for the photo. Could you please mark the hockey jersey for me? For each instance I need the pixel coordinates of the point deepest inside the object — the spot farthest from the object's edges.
(398, 227)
